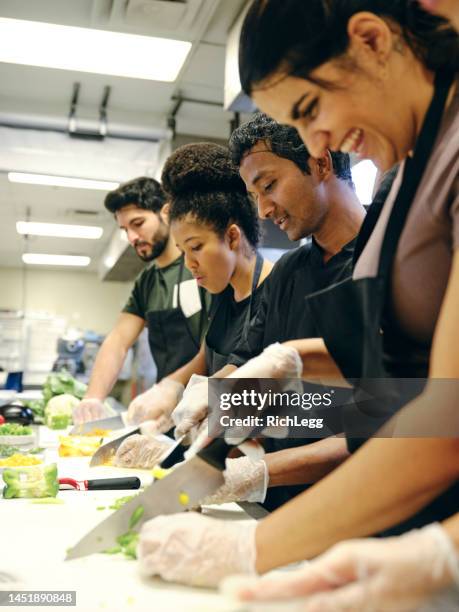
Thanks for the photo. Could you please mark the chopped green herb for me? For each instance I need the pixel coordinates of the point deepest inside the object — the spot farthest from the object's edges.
(113, 550)
(121, 501)
(136, 516)
(100, 507)
(14, 429)
(7, 451)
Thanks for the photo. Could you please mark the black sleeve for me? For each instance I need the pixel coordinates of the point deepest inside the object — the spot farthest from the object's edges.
(251, 344)
(136, 303)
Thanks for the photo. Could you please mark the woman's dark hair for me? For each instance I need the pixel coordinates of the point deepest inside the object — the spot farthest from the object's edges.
(283, 141)
(202, 181)
(143, 192)
(303, 34)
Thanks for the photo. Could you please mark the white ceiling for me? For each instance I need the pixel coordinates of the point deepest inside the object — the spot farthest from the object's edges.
(38, 93)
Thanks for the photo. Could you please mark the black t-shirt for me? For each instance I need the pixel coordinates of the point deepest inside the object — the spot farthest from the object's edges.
(229, 319)
(280, 313)
(280, 316)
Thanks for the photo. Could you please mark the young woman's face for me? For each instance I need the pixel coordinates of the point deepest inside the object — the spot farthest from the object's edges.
(209, 257)
(369, 107)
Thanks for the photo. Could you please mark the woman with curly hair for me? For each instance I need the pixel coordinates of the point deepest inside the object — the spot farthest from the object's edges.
(215, 225)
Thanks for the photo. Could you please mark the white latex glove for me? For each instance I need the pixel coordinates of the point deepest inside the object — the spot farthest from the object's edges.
(196, 550)
(156, 404)
(193, 407)
(276, 361)
(245, 480)
(446, 8)
(90, 409)
(139, 451)
(391, 575)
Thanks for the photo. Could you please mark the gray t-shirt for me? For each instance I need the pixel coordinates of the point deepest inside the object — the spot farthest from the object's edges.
(424, 255)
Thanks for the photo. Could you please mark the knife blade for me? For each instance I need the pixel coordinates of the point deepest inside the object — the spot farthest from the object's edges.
(108, 450)
(113, 422)
(180, 490)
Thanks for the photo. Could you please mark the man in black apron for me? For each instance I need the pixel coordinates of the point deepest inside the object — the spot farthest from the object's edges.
(291, 188)
(165, 298)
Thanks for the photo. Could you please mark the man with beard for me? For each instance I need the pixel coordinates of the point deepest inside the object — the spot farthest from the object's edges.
(165, 298)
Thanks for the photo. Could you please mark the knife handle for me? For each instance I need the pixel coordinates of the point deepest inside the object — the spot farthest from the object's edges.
(216, 453)
(104, 484)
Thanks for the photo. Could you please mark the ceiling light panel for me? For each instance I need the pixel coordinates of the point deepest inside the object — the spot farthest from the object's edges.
(59, 230)
(48, 45)
(60, 181)
(42, 259)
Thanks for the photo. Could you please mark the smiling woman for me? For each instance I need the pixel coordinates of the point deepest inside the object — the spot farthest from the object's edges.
(331, 69)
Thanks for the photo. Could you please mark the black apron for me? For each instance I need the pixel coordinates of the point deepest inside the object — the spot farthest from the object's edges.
(351, 315)
(216, 361)
(171, 339)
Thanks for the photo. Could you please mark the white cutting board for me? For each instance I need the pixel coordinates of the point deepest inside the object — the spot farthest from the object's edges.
(34, 539)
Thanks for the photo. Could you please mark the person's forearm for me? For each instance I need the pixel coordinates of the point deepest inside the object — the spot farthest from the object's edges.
(451, 527)
(318, 364)
(305, 464)
(107, 366)
(225, 371)
(382, 484)
(197, 365)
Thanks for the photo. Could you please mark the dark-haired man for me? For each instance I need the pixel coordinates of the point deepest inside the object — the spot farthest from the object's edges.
(165, 298)
(305, 197)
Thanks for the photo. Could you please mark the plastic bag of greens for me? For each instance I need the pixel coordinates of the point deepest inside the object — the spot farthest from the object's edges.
(32, 481)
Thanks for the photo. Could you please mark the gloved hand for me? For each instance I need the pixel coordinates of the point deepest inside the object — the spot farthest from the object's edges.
(196, 550)
(139, 451)
(245, 480)
(276, 361)
(90, 409)
(392, 574)
(192, 408)
(156, 404)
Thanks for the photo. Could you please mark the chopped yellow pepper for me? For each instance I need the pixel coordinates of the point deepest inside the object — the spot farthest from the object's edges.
(18, 460)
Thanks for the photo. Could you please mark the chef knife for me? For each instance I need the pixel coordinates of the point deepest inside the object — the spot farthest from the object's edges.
(182, 489)
(113, 422)
(108, 450)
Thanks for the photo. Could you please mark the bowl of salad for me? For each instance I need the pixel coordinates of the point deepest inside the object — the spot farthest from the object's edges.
(16, 435)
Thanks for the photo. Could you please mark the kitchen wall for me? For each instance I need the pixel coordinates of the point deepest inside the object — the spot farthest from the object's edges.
(80, 297)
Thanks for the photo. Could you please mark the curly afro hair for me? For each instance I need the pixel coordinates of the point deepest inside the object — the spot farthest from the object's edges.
(202, 181)
(144, 192)
(283, 141)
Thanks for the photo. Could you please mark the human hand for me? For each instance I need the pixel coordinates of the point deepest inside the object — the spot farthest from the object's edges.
(140, 451)
(245, 480)
(276, 361)
(156, 404)
(192, 408)
(391, 574)
(193, 549)
(90, 409)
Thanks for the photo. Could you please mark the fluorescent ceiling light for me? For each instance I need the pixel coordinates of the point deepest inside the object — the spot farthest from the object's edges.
(59, 230)
(60, 181)
(40, 259)
(364, 176)
(48, 45)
